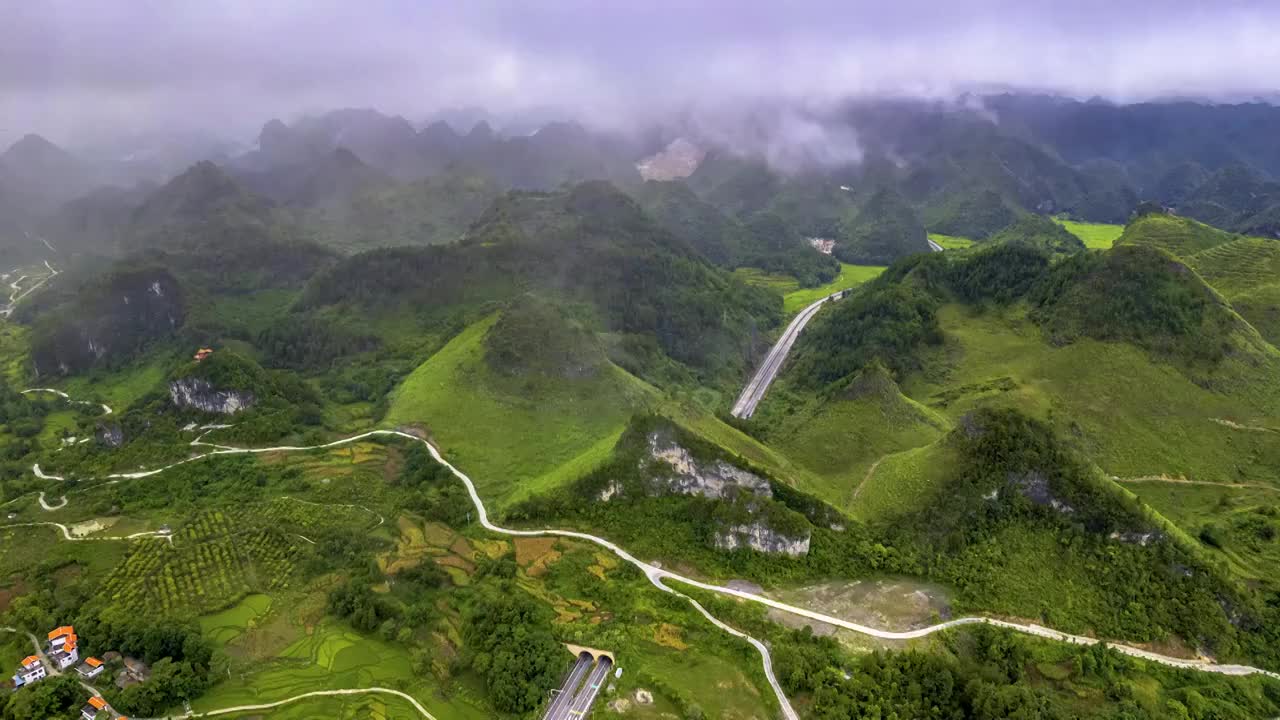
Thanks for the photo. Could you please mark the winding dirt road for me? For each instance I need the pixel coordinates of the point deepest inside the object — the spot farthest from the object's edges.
(18, 293)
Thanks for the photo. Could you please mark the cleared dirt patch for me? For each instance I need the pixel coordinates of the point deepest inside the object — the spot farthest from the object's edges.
(885, 603)
(531, 550)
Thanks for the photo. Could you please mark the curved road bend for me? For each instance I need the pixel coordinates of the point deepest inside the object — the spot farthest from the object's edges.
(755, 389)
(656, 576)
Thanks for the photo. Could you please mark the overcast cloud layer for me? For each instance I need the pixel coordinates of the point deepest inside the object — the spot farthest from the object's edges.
(82, 71)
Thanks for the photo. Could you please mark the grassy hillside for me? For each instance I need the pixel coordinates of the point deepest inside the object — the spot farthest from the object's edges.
(1134, 417)
(513, 434)
(1041, 232)
(845, 437)
(1128, 352)
(1247, 273)
(1177, 235)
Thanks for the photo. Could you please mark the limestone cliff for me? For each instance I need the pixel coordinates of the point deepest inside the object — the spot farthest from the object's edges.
(762, 538)
(201, 395)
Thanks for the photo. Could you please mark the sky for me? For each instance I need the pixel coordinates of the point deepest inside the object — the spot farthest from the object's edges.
(82, 71)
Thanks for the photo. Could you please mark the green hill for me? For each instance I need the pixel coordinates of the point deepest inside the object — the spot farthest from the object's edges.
(843, 437)
(1142, 295)
(883, 230)
(516, 433)
(589, 244)
(1180, 236)
(426, 212)
(1247, 273)
(1041, 232)
(761, 240)
(976, 215)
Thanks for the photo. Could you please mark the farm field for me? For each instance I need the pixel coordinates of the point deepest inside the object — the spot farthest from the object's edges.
(951, 242)
(793, 301)
(244, 568)
(1096, 236)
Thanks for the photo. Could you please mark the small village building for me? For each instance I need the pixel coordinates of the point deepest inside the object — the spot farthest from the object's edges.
(91, 668)
(31, 670)
(202, 353)
(96, 708)
(63, 647)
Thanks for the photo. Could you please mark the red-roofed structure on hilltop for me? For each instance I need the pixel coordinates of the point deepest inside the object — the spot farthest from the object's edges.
(203, 353)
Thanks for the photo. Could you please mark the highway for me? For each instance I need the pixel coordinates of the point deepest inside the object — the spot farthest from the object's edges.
(564, 699)
(587, 695)
(754, 392)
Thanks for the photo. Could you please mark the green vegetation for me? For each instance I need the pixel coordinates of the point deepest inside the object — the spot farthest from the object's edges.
(1095, 236)
(850, 276)
(1235, 524)
(1179, 236)
(899, 483)
(512, 432)
(977, 215)
(886, 321)
(110, 322)
(1065, 422)
(426, 212)
(1247, 273)
(982, 672)
(509, 639)
(951, 242)
(535, 338)
(853, 435)
(1140, 295)
(884, 229)
(589, 244)
(1040, 232)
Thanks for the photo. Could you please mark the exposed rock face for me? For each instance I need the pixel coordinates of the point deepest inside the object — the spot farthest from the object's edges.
(761, 538)
(678, 160)
(1136, 538)
(111, 320)
(1035, 487)
(111, 435)
(688, 476)
(199, 394)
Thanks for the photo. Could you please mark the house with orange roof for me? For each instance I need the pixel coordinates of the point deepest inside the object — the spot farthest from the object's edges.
(29, 671)
(63, 647)
(91, 668)
(202, 353)
(96, 708)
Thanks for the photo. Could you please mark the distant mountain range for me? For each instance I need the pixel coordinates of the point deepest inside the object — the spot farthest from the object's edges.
(959, 168)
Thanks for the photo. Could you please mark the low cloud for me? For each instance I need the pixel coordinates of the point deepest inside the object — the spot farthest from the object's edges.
(82, 72)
